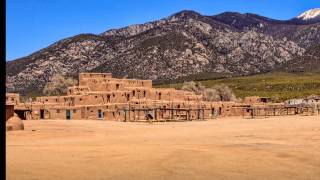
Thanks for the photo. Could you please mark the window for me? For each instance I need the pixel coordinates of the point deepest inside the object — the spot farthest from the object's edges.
(46, 99)
(117, 86)
(74, 111)
(80, 99)
(133, 93)
(96, 96)
(144, 93)
(58, 110)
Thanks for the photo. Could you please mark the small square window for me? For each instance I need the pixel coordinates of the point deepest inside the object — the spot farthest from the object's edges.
(74, 111)
(58, 110)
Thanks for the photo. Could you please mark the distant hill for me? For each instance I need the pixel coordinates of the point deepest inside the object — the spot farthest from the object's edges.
(182, 46)
(278, 86)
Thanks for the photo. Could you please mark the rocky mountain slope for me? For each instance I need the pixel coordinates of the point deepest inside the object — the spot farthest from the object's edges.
(181, 45)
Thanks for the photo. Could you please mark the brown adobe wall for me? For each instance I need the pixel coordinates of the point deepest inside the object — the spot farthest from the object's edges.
(78, 90)
(139, 92)
(85, 76)
(12, 98)
(137, 83)
(9, 111)
(61, 113)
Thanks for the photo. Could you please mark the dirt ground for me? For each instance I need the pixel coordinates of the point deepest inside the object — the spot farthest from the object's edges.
(226, 148)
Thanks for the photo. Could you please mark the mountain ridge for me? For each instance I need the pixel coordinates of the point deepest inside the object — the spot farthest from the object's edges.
(183, 44)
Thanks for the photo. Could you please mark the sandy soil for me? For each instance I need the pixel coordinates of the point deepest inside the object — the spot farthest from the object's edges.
(227, 148)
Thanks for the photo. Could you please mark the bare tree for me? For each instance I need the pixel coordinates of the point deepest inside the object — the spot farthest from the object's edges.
(225, 93)
(58, 85)
(210, 95)
(192, 86)
(220, 92)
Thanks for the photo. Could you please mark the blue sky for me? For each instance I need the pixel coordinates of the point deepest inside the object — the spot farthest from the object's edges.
(35, 24)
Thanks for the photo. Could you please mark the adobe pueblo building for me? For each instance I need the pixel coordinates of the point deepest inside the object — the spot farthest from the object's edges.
(99, 96)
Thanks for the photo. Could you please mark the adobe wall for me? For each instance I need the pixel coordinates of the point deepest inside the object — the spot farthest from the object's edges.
(78, 90)
(60, 113)
(105, 82)
(9, 111)
(12, 98)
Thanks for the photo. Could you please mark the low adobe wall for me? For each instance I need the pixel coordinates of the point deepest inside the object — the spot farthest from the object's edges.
(9, 111)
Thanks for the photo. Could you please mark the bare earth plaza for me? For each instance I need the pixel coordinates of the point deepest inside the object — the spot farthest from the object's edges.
(108, 128)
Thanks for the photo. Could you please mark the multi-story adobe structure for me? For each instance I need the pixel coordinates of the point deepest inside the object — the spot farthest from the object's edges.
(100, 96)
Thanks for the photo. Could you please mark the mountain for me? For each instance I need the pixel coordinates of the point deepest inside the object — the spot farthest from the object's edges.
(181, 45)
(310, 15)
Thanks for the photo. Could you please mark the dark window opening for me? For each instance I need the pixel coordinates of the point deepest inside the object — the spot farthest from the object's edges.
(117, 86)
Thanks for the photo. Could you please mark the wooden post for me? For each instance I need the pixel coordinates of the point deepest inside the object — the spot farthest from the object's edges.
(202, 113)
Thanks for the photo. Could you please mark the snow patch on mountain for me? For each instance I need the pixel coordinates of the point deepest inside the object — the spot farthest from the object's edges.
(310, 14)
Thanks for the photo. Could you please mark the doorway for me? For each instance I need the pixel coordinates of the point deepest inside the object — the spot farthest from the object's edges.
(41, 113)
(21, 114)
(68, 114)
(100, 114)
